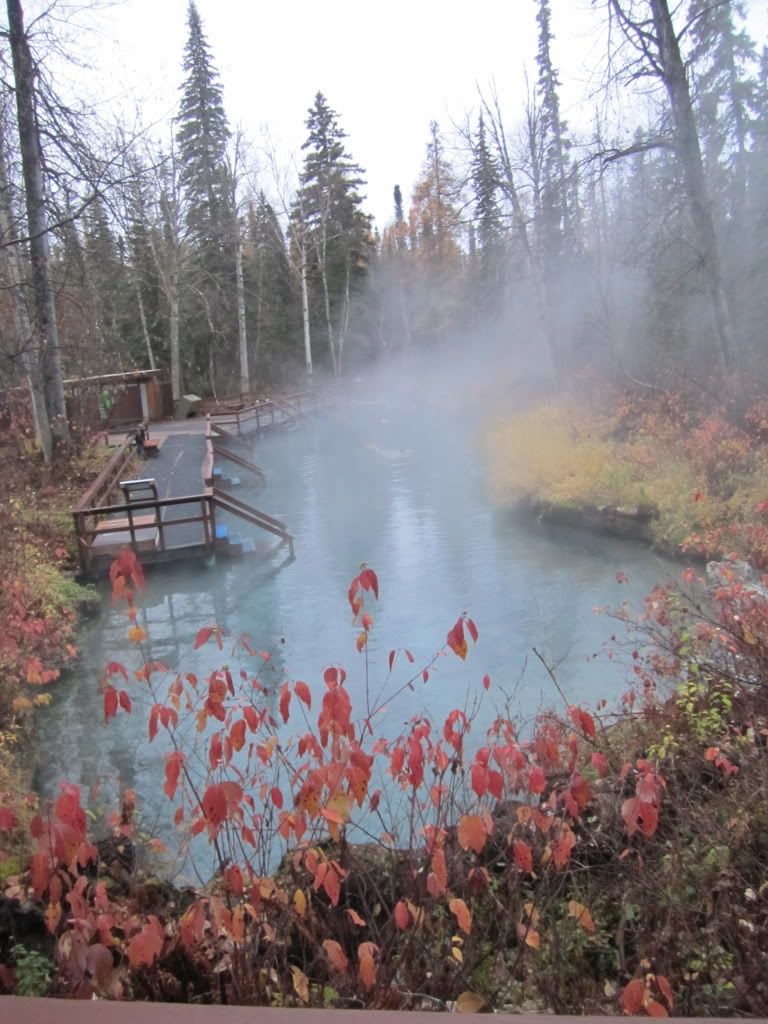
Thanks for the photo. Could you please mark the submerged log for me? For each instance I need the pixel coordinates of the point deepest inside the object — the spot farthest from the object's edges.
(632, 522)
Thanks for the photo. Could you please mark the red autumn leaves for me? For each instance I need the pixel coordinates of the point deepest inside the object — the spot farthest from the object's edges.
(457, 640)
(648, 994)
(365, 581)
(112, 697)
(641, 812)
(314, 782)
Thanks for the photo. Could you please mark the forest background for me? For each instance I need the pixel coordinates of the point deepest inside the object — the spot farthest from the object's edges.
(633, 245)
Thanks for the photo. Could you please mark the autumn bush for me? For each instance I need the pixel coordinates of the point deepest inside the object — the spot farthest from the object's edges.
(39, 600)
(704, 470)
(588, 862)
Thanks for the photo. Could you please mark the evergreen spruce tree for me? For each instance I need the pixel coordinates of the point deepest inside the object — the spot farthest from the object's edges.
(554, 213)
(202, 135)
(724, 61)
(271, 304)
(106, 279)
(141, 244)
(488, 229)
(723, 58)
(398, 197)
(400, 230)
(340, 233)
(755, 237)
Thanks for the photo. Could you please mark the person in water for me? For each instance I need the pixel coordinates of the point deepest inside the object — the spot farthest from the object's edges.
(389, 453)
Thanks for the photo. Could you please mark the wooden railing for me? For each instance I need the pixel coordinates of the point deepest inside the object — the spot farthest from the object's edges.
(223, 453)
(261, 518)
(225, 501)
(219, 431)
(208, 458)
(95, 522)
(312, 399)
(254, 417)
(108, 478)
(267, 412)
(142, 524)
(214, 451)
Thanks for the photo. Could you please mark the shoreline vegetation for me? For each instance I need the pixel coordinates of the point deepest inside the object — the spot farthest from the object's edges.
(669, 469)
(41, 604)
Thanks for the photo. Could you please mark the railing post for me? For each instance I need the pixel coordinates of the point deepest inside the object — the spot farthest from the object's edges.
(81, 542)
(204, 515)
(212, 522)
(87, 545)
(159, 521)
(131, 528)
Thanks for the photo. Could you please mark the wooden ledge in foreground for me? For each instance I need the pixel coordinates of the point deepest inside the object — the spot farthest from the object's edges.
(15, 1010)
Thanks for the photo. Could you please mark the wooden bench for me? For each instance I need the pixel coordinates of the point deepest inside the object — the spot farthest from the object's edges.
(112, 535)
(139, 522)
(113, 543)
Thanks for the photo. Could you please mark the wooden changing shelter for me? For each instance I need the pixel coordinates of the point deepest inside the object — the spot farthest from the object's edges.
(110, 400)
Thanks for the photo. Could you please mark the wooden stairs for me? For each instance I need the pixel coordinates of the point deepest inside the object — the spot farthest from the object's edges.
(232, 544)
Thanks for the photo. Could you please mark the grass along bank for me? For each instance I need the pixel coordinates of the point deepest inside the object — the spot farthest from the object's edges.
(703, 477)
(40, 602)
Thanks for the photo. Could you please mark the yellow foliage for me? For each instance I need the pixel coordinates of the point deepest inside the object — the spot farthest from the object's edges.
(557, 454)
(566, 456)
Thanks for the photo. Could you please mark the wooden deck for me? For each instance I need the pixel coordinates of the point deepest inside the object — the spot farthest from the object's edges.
(190, 512)
(16, 1010)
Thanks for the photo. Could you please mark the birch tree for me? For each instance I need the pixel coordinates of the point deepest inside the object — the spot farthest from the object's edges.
(649, 29)
(23, 349)
(43, 317)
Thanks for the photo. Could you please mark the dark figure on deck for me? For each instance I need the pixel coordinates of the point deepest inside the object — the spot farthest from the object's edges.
(139, 437)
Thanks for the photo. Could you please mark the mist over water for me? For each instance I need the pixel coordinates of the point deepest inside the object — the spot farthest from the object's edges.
(397, 482)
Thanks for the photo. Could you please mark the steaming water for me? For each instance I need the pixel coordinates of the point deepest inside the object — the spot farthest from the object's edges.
(425, 522)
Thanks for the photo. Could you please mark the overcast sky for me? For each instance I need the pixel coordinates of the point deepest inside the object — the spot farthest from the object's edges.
(387, 68)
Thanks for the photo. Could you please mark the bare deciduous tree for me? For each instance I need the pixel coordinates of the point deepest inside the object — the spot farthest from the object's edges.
(648, 27)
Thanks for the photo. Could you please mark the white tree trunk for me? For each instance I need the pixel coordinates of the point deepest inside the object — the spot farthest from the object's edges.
(24, 71)
(305, 309)
(327, 302)
(144, 328)
(344, 325)
(25, 336)
(509, 188)
(245, 381)
(173, 303)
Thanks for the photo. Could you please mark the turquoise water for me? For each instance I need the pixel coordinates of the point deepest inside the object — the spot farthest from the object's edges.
(406, 494)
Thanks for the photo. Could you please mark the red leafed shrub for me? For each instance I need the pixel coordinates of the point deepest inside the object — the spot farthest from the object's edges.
(356, 866)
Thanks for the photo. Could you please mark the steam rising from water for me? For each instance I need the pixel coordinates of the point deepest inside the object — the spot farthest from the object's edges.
(396, 480)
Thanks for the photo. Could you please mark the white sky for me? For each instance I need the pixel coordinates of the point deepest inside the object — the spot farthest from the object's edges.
(388, 68)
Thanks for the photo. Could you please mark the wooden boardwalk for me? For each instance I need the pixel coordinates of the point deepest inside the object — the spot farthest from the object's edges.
(17, 1010)
(182, 505)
